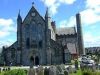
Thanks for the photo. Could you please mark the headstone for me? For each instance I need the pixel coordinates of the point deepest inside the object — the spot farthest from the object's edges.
(69, 68)
(3, 69)
(8, 68)
(46, 71)
(60, 70)
(66, 72)
(52, 70)
(31, 71)
(40, 70)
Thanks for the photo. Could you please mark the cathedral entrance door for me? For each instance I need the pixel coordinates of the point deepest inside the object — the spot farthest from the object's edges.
(36, 60)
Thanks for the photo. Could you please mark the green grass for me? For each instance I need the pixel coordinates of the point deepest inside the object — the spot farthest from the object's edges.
(78, 73)
(86, 72)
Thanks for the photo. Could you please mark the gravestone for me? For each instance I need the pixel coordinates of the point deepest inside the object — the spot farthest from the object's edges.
(8, 68)
(46, 71)
(66, 72)
(52, 70)
(60, 70)
(69, 68)
(40, 70)
(31, 71)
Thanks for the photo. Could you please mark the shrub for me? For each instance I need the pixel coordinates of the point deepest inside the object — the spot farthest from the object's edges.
(14, 72)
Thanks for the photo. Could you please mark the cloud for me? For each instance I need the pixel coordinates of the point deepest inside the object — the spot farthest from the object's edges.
(91, 14)
(67, 1)
(3, 34)
(6, 22)
(92, 3)
(68, 23)
(6, 27)
(90, 40)
(54, 4)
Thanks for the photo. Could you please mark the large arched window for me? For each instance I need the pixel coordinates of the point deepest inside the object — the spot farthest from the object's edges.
(28, 43)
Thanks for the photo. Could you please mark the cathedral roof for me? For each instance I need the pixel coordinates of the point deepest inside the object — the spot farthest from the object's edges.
(66, 31)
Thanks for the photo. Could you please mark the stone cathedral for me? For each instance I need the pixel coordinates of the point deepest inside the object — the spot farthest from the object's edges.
(39, 39)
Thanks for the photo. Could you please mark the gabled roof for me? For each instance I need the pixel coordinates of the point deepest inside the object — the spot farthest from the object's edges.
(66, 31)
(14, 45)
(30, 12)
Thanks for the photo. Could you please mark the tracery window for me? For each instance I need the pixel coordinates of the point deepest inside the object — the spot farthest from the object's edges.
(28, 43)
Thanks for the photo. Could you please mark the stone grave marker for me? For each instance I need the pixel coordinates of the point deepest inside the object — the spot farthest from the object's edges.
(52, 70)
(40, 70)
(60, 70)
(31, 71)
(46, 71)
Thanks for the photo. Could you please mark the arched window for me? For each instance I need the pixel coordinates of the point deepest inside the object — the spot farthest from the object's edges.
(40, 44)
(28, 43)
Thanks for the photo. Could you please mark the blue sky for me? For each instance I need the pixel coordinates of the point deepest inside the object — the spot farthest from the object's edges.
(62, 11)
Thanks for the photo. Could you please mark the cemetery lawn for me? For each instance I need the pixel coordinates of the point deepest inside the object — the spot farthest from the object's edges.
(78, 73)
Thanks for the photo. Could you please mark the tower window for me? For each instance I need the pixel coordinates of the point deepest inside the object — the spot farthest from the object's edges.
(28, 43)
(40, 44)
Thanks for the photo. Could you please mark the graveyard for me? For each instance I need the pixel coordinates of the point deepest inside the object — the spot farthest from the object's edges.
(49, 70)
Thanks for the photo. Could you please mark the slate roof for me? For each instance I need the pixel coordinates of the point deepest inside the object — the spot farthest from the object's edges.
(66, 31)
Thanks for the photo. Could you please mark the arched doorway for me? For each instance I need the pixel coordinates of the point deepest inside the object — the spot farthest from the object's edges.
(36, 60)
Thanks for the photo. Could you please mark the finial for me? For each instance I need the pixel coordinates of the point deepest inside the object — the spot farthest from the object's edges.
(32, 3)
(19, 12)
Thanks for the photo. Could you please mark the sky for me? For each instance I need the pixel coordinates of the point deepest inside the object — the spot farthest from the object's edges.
(61, 11)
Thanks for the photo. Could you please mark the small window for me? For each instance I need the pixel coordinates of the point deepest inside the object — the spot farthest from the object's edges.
(40, 44)
(28, 43)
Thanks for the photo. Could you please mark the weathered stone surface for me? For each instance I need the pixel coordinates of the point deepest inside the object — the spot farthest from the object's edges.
(60, 70)
(31, 71)
(52, 70)
(70, 69)
(40, 70)
(46, 71)
(66, 72)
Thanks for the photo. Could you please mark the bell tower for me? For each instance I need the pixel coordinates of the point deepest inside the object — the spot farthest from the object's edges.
(81, 49)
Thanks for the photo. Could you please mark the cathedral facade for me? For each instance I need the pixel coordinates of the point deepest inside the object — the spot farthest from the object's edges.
(40, 42)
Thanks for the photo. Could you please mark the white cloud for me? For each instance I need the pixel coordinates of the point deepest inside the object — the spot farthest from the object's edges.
(67, 1)
(91, 14)
(68, 23)
(92, 3)
(54, 4)
(6, 27)
(90, 40)
(6, 22)
(3, 34)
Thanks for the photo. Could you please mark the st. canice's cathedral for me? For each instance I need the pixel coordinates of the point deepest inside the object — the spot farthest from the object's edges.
(39, 39)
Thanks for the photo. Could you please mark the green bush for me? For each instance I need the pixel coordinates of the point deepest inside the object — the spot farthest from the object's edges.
(14, 72)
